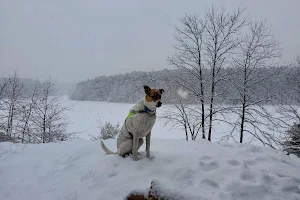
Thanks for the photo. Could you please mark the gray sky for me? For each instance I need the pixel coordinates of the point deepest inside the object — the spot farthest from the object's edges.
(73, 40)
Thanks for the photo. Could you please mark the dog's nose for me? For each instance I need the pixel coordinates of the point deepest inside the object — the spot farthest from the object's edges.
(159, 104)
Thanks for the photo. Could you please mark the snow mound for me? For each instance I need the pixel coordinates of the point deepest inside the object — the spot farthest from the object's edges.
(191, 170)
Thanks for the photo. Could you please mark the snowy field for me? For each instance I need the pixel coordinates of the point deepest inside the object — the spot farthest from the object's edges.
(85, 118)
(78, 169)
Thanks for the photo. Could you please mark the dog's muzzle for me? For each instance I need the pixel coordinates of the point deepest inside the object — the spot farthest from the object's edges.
(159, 104)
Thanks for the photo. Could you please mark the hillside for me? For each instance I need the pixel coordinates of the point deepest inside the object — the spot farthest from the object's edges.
(127, 88)
(77, 169)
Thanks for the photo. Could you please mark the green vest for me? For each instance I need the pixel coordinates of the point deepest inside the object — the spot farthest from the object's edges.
(131, 113)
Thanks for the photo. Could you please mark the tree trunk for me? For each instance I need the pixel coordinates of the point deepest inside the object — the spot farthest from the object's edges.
(44, 129)
(203, 120)
(202, 106)
(201, 92)
(23, 135)
(242, 122)
(244, 103)
(211, 103)
(11, 122)
(24, 130)
(186, 133)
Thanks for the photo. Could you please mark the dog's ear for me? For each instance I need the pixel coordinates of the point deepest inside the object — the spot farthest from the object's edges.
(161, 91)
(147, 89)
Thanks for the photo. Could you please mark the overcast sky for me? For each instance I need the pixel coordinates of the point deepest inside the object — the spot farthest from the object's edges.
(75, 40)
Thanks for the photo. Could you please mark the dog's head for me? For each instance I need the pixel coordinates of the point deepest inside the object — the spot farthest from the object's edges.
(153, 97)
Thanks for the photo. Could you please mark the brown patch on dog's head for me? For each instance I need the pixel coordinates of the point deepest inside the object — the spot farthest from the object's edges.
(153, 95)
(147, 89)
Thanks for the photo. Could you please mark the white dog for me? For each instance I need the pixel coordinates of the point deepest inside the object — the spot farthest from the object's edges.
(138, 125)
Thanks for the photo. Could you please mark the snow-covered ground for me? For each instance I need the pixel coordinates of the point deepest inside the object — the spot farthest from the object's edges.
(78, 169)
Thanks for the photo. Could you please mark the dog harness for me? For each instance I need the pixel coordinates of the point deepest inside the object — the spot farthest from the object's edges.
(146, 110)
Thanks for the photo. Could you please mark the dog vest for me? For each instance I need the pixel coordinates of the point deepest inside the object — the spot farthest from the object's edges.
(146, 110)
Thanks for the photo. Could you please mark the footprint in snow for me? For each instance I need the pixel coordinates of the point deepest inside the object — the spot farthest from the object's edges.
(205, 157)
(208, 166)
(233, 162)
(267, 179)
(184, 176)
(250, 162)
(289, 185)
(247, 175)
(291, 188)
(112, 173)
(211, 183)
(110, 170)
(116, 164)
(281, 175)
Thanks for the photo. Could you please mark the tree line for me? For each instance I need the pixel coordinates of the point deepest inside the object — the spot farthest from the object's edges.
(127, 88)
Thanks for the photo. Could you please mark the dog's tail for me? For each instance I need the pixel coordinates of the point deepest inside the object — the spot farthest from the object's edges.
(105, 149)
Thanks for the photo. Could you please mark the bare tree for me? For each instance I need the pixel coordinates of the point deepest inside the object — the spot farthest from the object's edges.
(11, 104)
(209, 43)
(2, 91)
(27, 109)
(221, 39)
(189, 59)
(255, 52)
(297, 88)
(48, 119)
(3, 136)
(2, 88)
(183, 115)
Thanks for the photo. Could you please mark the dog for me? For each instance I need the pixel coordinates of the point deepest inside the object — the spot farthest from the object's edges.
(138, 125)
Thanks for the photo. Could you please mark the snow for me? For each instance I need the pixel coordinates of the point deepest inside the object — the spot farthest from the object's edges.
(85, 118)
(182, 93)
(78, 169)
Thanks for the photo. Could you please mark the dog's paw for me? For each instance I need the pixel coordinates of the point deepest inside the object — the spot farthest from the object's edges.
(150, 158)
(135, 158)
(148, 155)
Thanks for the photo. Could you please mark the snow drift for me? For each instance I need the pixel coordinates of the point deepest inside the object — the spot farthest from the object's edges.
(78, 169)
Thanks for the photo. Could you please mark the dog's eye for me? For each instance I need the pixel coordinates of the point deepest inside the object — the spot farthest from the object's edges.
(157, 96)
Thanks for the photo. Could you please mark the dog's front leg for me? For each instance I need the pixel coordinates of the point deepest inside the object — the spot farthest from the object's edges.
(148, 145)
(135, 148)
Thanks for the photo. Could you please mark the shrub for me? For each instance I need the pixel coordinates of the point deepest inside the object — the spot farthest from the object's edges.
(291, 143)
(107, 131)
